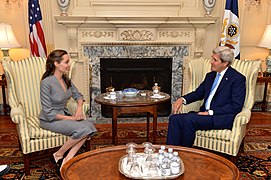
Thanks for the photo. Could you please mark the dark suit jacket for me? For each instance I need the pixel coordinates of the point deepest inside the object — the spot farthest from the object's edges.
(228, 99)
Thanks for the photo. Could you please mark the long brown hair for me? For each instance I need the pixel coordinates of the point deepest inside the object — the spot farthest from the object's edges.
(55, 56)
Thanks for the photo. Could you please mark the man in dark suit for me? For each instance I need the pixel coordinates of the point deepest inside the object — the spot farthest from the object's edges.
(223, 91)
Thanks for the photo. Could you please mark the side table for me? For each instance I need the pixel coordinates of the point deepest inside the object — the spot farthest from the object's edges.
(264, 80)
(3, 84)
(137, 104)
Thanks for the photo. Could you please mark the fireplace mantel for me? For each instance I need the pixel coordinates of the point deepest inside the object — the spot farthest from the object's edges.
(141, 30)
(134, 22)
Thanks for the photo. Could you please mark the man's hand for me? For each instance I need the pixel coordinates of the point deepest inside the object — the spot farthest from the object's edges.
(203, 113)
(177, 105)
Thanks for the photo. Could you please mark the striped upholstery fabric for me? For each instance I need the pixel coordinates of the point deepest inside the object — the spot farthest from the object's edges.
(224, 141)
(23, 79)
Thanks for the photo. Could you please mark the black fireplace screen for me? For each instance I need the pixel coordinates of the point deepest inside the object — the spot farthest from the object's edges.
(141, 74)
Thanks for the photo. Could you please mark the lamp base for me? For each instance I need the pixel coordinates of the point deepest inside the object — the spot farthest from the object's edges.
(5, 55)
(268, 63)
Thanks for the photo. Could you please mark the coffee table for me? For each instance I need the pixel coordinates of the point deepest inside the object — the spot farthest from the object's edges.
(103, 164)
(137, 104)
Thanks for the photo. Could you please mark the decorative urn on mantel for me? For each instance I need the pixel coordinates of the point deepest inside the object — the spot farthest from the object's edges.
(208, 6)
(63, 5)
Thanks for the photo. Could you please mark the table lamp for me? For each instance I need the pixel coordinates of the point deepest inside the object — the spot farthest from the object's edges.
(266, 43)
(7, 40)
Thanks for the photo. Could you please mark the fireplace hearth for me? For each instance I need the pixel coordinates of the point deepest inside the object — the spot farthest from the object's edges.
(139, 73)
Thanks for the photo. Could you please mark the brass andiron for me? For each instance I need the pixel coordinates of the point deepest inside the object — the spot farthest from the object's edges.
(110, 88)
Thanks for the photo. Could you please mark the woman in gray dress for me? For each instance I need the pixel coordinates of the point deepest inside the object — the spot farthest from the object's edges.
(55, 90)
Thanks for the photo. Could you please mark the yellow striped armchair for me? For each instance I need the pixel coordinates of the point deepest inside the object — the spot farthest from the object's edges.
(223, 141)
(23, 82)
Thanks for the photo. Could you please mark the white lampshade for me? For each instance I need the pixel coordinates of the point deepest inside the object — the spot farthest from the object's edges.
(266, 38)
(7, 37)
(266, 43)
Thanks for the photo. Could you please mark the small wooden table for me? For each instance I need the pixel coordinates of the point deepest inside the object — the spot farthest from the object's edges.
(264, 80)
(103, 164)
(138, 104)
(3, 84)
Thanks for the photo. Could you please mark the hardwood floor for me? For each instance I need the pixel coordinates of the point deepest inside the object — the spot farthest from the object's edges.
(6, 123)
(256, 118)
(260, 118)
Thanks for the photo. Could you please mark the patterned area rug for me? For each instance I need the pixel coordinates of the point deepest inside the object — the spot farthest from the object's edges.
(254, 163)
(127, 133)
(258, 141)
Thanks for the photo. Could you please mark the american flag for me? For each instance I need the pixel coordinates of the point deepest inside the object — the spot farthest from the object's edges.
(36, 35)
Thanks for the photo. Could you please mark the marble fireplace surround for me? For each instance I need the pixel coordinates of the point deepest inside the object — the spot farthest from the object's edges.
(94, 53)
(93, 38)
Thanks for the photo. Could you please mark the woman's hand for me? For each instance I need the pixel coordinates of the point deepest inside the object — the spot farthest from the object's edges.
(79, 115)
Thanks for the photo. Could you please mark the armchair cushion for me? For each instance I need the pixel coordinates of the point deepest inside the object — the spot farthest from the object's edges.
(36, 132)
(224, 134)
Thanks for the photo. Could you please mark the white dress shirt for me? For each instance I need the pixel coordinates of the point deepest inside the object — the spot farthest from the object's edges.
(211, 95)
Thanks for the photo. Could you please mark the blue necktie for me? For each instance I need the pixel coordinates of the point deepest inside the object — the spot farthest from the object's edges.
(215, 82)
(209, 99)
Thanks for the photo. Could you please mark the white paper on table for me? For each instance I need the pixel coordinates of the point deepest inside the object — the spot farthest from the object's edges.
(158, 97)
(109, 98)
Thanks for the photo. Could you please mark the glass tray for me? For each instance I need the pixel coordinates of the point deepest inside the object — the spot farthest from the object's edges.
(122, 170)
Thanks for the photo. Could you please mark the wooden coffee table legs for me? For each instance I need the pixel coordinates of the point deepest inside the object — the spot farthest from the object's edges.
(151, 109)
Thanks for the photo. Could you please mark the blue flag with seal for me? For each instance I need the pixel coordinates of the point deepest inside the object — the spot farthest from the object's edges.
(230, 35)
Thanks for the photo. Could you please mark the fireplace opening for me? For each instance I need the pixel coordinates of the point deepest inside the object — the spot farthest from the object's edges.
(141, 74)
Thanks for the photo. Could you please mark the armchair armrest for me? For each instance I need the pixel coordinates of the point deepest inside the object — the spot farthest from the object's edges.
(238, 131)
(18, 116)
(17, 111)
(242, 118)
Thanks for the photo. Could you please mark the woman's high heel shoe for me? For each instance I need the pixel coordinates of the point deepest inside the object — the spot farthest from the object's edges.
(53, 159)
(58, 166)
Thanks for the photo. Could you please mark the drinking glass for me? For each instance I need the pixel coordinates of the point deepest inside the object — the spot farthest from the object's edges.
(119, 95)
(131, 152)
(147, 146)
(135, 169)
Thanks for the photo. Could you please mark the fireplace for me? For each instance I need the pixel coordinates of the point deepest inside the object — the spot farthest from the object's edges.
(176, 53)
(139, 73)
